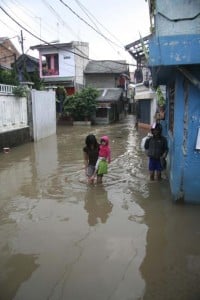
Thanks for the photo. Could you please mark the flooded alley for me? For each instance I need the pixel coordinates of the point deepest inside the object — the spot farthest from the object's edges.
(61, 239)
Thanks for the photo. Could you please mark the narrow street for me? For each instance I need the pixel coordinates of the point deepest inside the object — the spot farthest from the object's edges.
(61, 239)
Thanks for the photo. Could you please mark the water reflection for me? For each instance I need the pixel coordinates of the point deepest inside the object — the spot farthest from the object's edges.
(97, 205)
(11, 279)
(172, 262)
(62, 239)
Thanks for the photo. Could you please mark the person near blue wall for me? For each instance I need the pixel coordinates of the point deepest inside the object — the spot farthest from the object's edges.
(157, 150)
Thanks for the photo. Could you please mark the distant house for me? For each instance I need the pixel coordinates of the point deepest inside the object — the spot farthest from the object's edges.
(63, 64)
(8, 53)
(144, 96)
(110, 105)
(27, 66)
(107, 74)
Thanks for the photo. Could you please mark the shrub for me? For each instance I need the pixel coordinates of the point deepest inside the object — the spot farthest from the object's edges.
(82, 104)
(20, 91)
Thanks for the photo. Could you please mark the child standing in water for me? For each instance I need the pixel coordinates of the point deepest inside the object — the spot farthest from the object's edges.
(157, 150)
(104, 158)
(90, 154)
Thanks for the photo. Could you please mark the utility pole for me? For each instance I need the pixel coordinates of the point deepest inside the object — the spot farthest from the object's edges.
(22, 42)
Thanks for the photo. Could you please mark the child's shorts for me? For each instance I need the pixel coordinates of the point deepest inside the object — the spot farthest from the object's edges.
(154, 164)
(90, 170)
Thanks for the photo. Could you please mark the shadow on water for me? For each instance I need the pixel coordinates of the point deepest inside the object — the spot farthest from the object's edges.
(63, 239)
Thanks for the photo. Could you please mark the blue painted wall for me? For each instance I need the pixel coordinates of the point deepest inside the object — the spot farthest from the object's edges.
(174, 50)
(174, 44)
(184, 159)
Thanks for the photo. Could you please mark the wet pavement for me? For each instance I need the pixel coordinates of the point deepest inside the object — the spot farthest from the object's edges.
(61, 239)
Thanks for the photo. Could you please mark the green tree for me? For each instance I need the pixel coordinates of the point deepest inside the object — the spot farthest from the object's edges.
(82, 104)
(33, 77)
(8, 77)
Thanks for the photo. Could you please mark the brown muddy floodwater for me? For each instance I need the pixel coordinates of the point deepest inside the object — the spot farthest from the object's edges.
(61, 239)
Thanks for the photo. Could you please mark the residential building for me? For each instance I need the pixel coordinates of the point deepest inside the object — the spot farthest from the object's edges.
(145, 101)
(174, 58)
(107, 74)
(110, 106)
(63, 64)
(27, 67)
(8, 53)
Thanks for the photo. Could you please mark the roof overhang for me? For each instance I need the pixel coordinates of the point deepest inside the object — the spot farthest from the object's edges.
(139, 48)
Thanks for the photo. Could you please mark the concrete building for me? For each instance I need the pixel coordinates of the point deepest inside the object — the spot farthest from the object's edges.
(174, 58)
(8, 53)
(63, 64)
(107, 74)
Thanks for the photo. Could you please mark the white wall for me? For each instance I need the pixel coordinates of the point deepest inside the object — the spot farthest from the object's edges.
(13, 112)
(66, 63)
(44, 113)
(82, 49)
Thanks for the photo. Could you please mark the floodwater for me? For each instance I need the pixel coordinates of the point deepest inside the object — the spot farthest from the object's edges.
(61, 239)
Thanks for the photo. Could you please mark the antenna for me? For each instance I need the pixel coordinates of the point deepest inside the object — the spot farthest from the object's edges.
(57, 31)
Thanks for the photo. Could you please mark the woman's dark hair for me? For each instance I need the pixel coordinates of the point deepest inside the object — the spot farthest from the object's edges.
(91, 140)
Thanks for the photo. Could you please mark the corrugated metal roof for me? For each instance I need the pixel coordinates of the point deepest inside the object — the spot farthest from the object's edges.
(109, 94)
(106, 66)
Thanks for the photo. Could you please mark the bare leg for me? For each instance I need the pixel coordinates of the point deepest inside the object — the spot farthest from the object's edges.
(99, 179)
(90, 180)
(159, 177)
(151, 173)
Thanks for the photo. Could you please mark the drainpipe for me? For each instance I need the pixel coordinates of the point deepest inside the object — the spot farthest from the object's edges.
(190, 77)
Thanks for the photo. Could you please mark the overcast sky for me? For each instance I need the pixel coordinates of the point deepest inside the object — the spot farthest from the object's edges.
(107, 25)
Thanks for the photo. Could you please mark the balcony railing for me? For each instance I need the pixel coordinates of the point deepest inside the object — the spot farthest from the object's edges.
(6, 89)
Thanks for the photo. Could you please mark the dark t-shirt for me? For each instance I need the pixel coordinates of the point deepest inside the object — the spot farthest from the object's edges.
(92, 154)
(156, 146)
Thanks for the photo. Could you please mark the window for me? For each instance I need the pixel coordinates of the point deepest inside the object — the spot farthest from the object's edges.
(51, 67)
(102, 113)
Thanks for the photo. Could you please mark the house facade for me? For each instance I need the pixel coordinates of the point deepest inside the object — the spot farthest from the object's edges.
(111, 77)
(63, 64)
(145, 101)
(110, 106)
(174, 58)
(107, 74)
(27, 67)
(8, 53)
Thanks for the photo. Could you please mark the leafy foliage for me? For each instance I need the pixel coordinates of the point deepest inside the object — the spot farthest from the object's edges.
(8, 77)
(61, 94)
(33, 77)
(161, 99)
(82, 104)
(20, 91)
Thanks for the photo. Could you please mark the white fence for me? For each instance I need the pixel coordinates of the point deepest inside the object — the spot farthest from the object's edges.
(43, 113)
(38, 112)
(6, 89)
(13, 112)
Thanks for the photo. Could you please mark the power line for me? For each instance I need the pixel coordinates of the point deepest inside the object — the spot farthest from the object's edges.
(87, 23)
(35, 36)
(87, 12)
(59, 18)
(55, 46)
(27, 11)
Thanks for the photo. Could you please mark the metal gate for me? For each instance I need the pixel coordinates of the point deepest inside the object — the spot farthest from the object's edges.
(43, 114)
